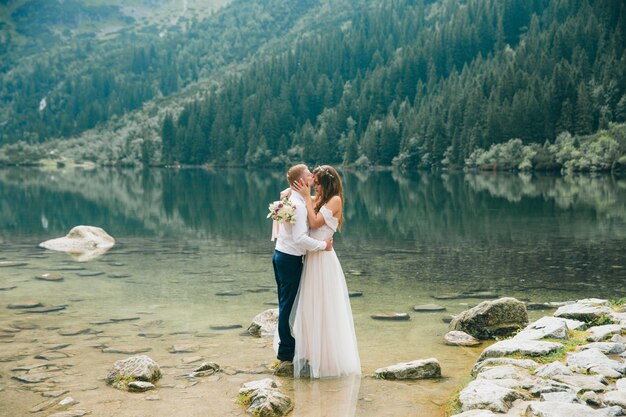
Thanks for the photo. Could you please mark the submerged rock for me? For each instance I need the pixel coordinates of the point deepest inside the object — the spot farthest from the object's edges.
(264, 324)
(458, 338)
(418, 369)
(492, 318)
(83, 243)
(427, 308)
(391, 316)
(51, 276)
(135, 368)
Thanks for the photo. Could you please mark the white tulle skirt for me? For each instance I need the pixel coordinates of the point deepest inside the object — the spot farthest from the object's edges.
(321, 321)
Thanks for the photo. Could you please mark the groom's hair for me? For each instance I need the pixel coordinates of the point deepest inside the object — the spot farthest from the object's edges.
(295, 173)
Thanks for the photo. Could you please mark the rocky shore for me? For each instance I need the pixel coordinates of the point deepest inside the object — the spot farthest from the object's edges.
(570, 364)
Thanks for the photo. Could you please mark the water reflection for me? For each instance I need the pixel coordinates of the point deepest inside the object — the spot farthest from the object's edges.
(326, 397)
(382, 207)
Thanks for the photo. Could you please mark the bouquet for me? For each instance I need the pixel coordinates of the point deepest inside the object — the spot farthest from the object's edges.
(282, 211)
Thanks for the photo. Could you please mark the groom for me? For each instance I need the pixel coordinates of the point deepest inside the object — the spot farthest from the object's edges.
(292, 244)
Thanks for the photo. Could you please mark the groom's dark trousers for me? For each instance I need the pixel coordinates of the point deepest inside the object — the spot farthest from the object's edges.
(287, 271)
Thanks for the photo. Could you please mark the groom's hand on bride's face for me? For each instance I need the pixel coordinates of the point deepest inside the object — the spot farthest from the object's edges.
(329, 244)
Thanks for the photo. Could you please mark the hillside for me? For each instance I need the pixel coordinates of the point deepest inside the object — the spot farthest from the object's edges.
(407, 83)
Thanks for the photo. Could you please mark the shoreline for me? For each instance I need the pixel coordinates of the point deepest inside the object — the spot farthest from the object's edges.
(570, 362)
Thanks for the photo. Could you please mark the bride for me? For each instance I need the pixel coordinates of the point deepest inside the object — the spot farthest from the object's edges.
(321, 320)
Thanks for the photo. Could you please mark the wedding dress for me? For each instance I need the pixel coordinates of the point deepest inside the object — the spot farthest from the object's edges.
(321, 320)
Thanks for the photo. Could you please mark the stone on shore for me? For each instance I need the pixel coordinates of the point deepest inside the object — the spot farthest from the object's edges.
(583, 311)
(522, 347)
(552, 369)
(561, 397)
(548, 328)
(586, 360)
(458, 338)
(476, 413)
(488, 319)
(82, 242)
(615, 398)
(417, 369)
(599, 333)
(135, 368)
(560, 409)
(583, 382)
(608, 348)
(264, 324)
(486, 394)
(264, 399)
(490, 362)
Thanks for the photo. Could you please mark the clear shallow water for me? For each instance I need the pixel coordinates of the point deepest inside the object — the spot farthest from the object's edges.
(184, 236)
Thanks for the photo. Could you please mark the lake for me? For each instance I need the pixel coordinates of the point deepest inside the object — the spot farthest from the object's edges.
(186, 236)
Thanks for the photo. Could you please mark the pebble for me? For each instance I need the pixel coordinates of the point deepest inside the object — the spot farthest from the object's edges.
(74, 331)
(428, 308)
(225, 326)
(127, 351)
(192, 359)
(8, 288)
(150, 335)
(183, 348)
(228, 293)
(44, 405)
(90, 273)
(51, 276)
(52, 355)
(25, 304)
(55, 394)
(391, 316)
(31, 379)
(117, 276)
(44, 310)
(118, 319)
(11, 264)
(354, 294)
(70, 413)
(69, 268)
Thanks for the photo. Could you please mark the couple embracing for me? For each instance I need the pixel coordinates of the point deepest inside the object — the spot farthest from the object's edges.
(315, 326)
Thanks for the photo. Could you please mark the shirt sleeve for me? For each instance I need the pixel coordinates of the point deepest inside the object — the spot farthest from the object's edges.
(300, 232)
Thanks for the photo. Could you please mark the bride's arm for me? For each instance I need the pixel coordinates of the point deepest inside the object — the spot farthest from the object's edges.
(315, 219)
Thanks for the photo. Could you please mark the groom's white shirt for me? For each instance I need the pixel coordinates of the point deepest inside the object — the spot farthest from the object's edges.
(294, 239)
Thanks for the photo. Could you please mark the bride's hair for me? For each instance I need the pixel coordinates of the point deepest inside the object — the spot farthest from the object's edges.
(330, 183)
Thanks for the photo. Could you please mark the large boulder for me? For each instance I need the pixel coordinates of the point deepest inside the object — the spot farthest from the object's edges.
(82, 242)
(418, 369)
(135, 368)
(488, 319)
(264, 324)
